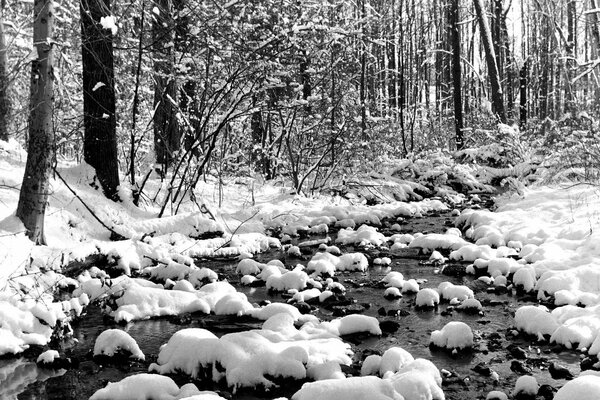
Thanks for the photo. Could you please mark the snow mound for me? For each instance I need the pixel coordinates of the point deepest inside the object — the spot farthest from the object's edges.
(393, 359)
(535, 320)
(325, 263)
(437, 241)
(427, 297)
(584, 387)
(151, 387)
(454, 335)
(526, 384)
(449, 291)
(251, 358)
(47, 357)
(112, 341)
(354, 388)
(417, 385)
(363, 236)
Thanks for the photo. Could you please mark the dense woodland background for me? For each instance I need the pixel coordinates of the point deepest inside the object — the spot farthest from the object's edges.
(306, 91)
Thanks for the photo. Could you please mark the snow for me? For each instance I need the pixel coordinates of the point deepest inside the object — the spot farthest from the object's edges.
(151, 387)
(109, 23)
(48, 357)
(417, 385)
(526, 385)
(584, 387)
(370, 365)
(248, 358)
(544, 241)
(449, 291)
(354, 388)
(393, 359)
(496, 395)
(112, 341)
(454, 335)
(427, 297)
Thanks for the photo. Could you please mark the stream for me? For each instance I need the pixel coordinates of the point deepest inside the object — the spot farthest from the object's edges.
(409, 328)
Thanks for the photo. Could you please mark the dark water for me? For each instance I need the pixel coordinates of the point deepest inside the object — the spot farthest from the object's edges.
(22, 379)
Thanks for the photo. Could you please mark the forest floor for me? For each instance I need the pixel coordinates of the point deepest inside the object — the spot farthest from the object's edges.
(540, 242)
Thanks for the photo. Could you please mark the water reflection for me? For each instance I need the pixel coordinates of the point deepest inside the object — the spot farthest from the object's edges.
(17, 375)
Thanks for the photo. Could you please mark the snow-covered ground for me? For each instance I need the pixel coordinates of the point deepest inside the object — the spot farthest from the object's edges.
(545, 240)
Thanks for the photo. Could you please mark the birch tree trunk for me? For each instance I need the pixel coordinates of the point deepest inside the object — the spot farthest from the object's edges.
(490, 58)
(4, 100)
(36, 181)
(100, 124)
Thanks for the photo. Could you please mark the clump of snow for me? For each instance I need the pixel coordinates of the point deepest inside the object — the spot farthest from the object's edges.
(354, 388)
(449, 291)
(149, 387)
(20, 328)
(393, 359)
(353, 323)
(113, 341)
(327, 263)
(417, 385)
(392, 293)
(394, 279)
(584, 387)
(535, 320)
(247, 358)
(496, 395)
(454, 335)
(370, 365)
(296, 279)
(327, 370)
(526, 384)
(437, 241)
(427, 297)
(382, 261)
(363, 236)
(48, 357)
(472, 305)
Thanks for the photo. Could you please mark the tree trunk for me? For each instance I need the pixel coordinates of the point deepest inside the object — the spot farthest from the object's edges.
(571, 49)
(166, 129)
(456, 74)
(36, 181)
(523, 95)
(363, 73)
(100, 139)
(490, 57)
(4, 99)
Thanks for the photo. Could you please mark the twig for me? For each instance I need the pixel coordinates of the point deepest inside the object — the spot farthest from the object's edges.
(113, 235)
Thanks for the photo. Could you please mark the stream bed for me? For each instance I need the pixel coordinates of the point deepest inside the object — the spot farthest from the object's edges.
(496, 346)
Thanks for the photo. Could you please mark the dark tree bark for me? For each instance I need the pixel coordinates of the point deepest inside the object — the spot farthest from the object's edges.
(571, 49)
(523, 94)
(100, 138)
(167, 138)
(4, 99)
(456, 74)
(36, 181)
(490, 57)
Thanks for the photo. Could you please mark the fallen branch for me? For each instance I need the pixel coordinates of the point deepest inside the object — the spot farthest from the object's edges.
(113, 235)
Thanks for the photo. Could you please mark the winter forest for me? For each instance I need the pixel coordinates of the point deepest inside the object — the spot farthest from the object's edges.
(300, 199)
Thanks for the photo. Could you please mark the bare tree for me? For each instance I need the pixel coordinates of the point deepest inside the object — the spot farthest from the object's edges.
(490, 58)
(4, 100)
(166, 129)
(36, 181)
(100, 140)
(456, 74)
